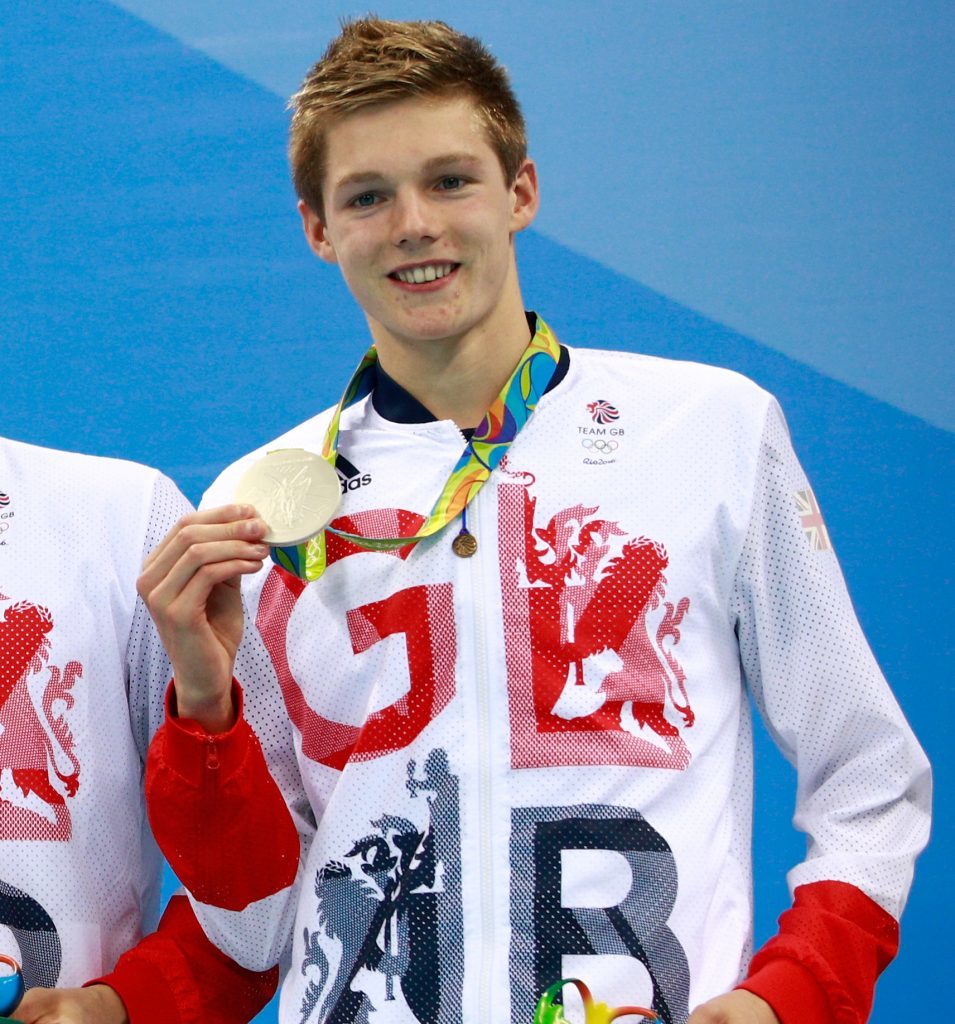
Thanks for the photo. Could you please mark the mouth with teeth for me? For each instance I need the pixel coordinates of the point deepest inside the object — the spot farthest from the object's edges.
(423, 274)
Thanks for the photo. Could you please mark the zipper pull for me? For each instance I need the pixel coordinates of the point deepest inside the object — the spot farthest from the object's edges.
(212, 754)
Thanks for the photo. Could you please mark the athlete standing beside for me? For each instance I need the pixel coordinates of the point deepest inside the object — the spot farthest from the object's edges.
(518, 746)
(82, 680)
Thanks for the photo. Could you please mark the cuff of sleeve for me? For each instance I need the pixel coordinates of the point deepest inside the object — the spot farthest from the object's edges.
(145, 994)
(792, 991)
(194, 751)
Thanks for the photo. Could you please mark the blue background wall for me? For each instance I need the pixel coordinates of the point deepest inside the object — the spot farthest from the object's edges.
(762, 186)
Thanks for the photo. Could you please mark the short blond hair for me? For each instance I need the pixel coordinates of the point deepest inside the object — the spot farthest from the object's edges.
(374, 61)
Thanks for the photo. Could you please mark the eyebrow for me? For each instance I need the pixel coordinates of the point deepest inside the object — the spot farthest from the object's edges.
(430, 166)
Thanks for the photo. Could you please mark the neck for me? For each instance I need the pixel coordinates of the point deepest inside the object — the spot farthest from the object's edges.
(457, 378)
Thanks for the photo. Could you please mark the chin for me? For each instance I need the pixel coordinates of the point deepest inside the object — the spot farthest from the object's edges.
(434, 330)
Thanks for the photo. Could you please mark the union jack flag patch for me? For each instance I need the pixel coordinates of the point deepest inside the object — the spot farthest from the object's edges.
(812, 521)
(602, 411)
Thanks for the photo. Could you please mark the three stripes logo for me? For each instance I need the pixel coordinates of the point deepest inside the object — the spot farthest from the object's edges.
(348, 476)
(4, 499)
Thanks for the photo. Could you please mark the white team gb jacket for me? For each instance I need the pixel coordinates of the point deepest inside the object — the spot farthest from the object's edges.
(536, 762)
(82, 679)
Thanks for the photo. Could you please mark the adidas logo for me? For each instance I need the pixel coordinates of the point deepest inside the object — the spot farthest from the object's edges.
(348, 475)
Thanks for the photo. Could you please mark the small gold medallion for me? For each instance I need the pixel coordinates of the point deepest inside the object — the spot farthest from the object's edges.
(464, 545)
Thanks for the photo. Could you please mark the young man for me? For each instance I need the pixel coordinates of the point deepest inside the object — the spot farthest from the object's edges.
(518, 747)
(82, 679)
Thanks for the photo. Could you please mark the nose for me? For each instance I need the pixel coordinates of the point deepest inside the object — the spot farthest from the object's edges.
(414, 219)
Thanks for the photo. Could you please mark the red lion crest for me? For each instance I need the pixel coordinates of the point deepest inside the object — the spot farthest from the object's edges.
(590, 640)
(36, 753)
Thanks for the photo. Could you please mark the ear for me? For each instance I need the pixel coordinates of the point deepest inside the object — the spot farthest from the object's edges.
(315, 233)
(526, 197)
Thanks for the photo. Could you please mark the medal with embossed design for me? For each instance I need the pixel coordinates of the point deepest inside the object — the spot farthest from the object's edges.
(464, 544)
(296, 492)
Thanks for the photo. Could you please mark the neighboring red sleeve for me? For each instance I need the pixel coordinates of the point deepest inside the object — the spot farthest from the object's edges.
(217, 813)
(176, 976)
(833, 944)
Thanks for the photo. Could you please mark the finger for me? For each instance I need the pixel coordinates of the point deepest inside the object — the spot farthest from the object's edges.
(182, 594)
(222, 515)
(190, 581)
(188, 540)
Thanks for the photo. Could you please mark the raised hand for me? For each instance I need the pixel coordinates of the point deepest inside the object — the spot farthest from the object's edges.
(190, 585)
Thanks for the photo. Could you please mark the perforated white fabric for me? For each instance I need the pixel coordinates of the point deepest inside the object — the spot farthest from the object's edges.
(82, 679)
(476, 737)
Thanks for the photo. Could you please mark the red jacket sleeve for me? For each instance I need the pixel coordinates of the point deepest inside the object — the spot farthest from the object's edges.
(176, 976)
(217, 813)
(822, 966)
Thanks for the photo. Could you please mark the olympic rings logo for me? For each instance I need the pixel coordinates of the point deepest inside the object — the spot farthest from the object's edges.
(599, 444)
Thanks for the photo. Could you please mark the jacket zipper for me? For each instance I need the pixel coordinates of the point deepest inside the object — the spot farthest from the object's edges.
(485, 804)
(210, 785)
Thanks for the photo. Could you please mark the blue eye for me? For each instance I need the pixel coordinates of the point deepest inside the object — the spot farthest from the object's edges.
(450, 182)
(365, 200)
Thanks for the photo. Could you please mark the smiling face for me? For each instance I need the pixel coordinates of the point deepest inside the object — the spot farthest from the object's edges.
(420, 219)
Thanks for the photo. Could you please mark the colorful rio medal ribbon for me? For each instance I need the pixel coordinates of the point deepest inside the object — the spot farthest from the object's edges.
(549, 1012)
(483, 453)
(11, 985)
